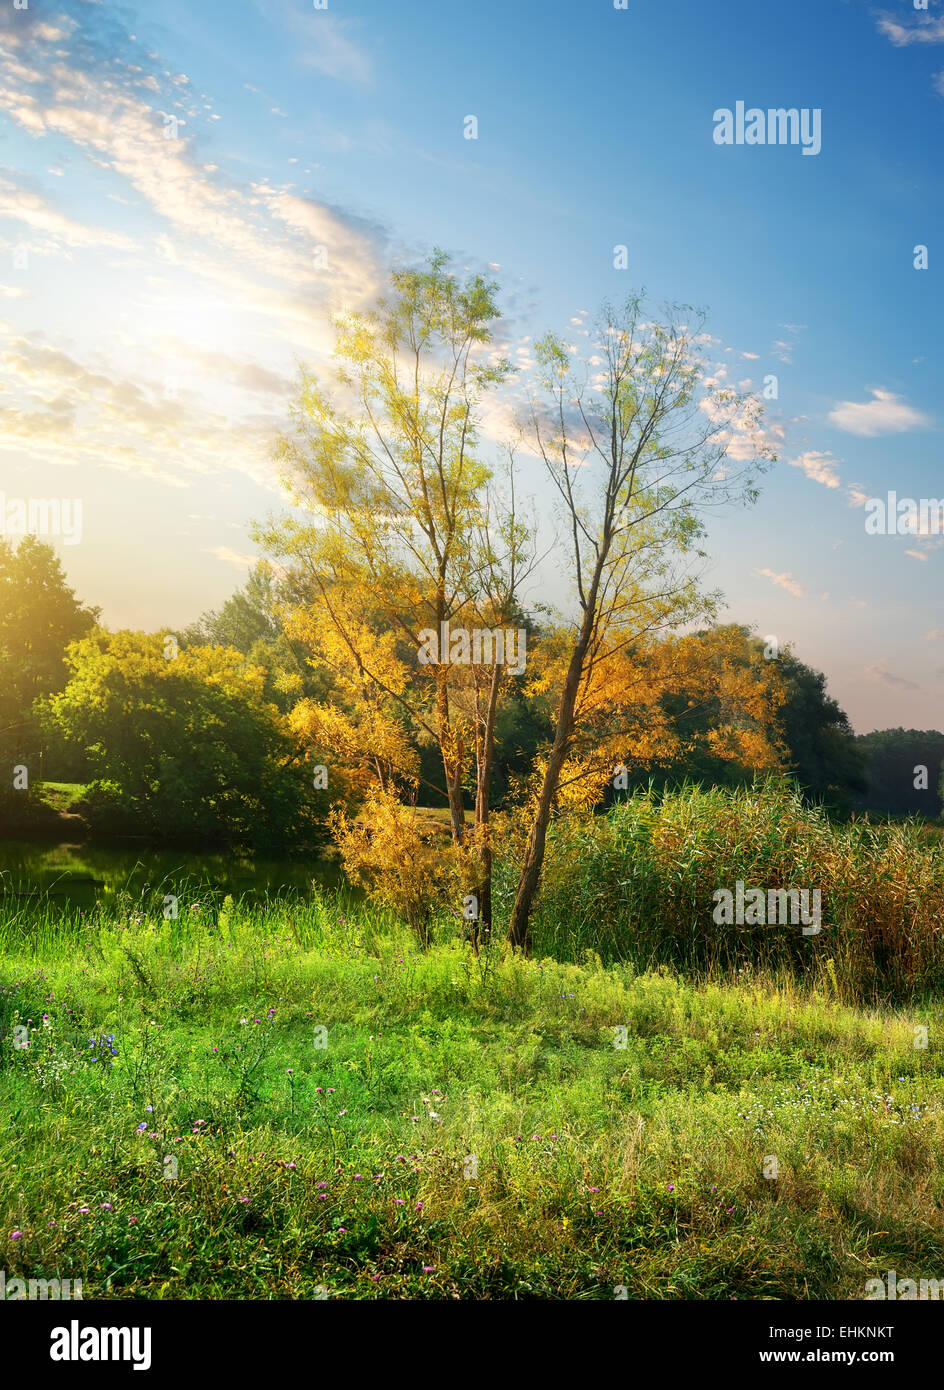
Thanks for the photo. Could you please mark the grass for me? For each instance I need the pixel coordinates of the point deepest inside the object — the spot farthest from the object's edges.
(473, 1129)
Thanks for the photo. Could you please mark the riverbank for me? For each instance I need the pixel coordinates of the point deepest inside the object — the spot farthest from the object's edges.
(268, 1104)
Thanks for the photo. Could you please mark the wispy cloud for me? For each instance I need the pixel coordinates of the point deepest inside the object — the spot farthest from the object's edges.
(233, 557)
(926, 29)
(877, 672)
(321, 41)
(783, 581)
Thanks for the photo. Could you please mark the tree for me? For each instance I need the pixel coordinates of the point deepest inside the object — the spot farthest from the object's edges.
(39, 616)
(185, 748)
(904, 771)
(636, 452)
(251, 622)
(822, 751)
(387, 460)
(796, 720)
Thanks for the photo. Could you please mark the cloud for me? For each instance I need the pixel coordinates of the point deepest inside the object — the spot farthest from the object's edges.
(320, 40)
(22, 205)
(857, 495)
(877, 672)
(215, 261)
(820, 468)
(934, 635)
(233, 557)
(782, 348)
(926, 30)
(885, 413)
(783, 581)
(69, 414)
(916, 554)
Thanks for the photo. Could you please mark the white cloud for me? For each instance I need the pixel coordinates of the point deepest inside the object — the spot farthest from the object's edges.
(885, 413)
(783, 581)
(23, 205)
(820, 468)
(926, 30)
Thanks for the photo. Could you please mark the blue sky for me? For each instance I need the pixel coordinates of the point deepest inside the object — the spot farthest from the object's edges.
(155, 294)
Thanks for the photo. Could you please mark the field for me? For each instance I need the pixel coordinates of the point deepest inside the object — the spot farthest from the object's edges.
(178, 1126)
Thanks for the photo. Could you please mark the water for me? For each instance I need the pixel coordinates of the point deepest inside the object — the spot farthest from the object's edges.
(81, 874)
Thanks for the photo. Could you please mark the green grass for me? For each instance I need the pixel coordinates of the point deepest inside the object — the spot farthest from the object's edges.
(348, 1168)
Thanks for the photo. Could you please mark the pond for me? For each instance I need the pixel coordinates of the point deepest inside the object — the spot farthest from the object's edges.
(81, 874)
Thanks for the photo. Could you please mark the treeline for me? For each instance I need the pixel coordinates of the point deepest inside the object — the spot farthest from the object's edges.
(904, 772)
(197, 745)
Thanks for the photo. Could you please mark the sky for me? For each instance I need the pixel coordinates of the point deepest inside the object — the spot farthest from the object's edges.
(188, 192)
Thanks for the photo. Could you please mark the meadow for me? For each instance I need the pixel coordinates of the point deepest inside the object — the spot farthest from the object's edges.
(293, 1100)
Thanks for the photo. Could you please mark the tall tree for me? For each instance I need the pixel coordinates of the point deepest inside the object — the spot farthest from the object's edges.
(636, 451)
(387, 458)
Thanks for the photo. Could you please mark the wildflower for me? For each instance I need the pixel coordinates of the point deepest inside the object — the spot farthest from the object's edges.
(142, 1125)
(15, 1235)
(671, 1187)
(419, 1206)
(342, 1230)
(428, 1269)
(106, 1206)
(342, 1112)
(83, 1211)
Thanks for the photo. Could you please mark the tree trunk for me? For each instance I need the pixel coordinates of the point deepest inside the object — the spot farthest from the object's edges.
(482, 929)
(519, 928)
